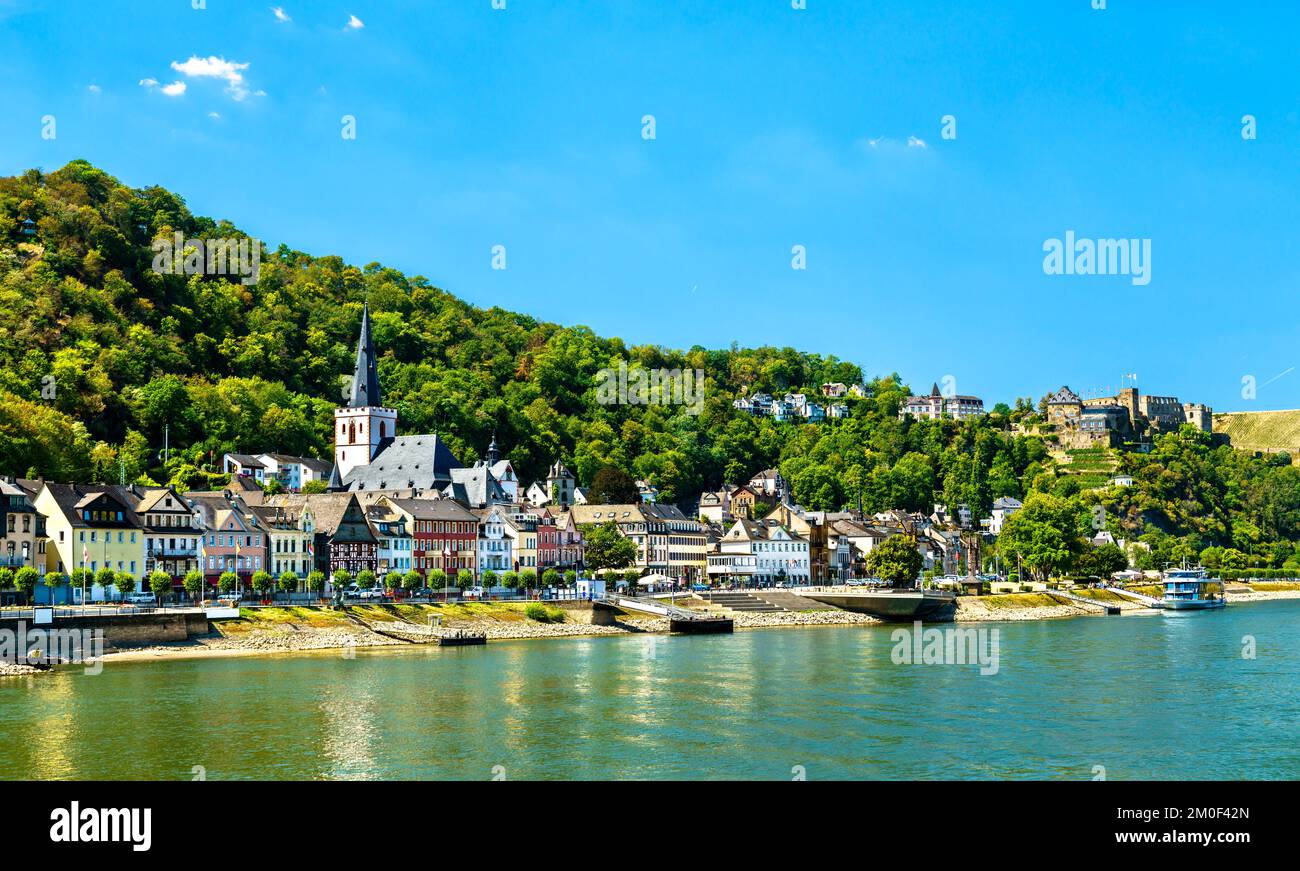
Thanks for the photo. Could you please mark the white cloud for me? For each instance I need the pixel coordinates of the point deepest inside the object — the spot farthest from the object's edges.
(214, 67)
(94, 89)
(214, 115)
(355, 23)
(175, 89)
(885, 143)
(280, 14)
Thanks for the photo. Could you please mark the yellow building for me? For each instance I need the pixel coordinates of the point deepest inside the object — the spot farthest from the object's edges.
(93, 527)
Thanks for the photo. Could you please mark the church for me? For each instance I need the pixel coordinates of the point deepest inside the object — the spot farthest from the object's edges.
(371, 458)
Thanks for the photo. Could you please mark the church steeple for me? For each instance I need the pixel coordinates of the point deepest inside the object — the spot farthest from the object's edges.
(363, 427)
(493, 454)
(365, 375)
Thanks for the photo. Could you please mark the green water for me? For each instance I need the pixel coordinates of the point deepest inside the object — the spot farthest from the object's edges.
(1161, 696)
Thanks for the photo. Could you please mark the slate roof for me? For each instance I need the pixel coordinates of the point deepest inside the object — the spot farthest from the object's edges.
(416, 462)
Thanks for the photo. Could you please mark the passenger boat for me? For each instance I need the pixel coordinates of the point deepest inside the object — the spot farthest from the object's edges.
(1191, 590)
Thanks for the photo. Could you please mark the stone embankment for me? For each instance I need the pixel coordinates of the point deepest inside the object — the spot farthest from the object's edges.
(1034, 606)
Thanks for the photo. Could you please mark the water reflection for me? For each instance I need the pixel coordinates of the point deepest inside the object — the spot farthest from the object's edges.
(1069, 695)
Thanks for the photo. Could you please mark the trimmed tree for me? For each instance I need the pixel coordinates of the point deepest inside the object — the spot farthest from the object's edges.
(193, 583)
(464, 579)
(510, 580)
(393, 581)
(54, 580)
(570, 578)
(25, 580)
(528, 578)
(316, 581)
(106, 578)
(263, 583)
(289, 582)
(6, 578)
(412, 581)
(227, 582)
(489, 579)
(125, 583)
(160, 584)
(365, 579)
(550, 578)
(438, 579)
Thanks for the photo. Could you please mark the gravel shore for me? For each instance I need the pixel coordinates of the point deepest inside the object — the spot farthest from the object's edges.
(9, 669)
(395, 634)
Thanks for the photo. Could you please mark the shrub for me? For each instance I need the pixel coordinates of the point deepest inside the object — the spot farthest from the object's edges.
(543, 614)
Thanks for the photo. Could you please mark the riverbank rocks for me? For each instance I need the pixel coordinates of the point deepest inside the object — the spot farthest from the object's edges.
(13, 669)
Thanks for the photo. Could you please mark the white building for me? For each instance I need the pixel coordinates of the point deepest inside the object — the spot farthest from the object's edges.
(764, 552)
(495, 541)
(1003, 507)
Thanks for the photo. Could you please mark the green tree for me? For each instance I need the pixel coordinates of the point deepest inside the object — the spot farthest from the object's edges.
(341, 578)
(464, 579)
(316, 581)
(227, 582)
(551, 578)
(607, 548)
(1045, 535)
(160, 584)
(288, 582)
(895, 560)
(1101, 562)
(193, 583)
(489, 579)
(412, 581)
(570, 578)
(393, 581)
(510, 580)
(613, 486)
(366, 579)
(262, 583)
(106, 578)
(25, 580)
(125, 583)
(6, 578)
(438, 579)
(528, 579)
(55, 580)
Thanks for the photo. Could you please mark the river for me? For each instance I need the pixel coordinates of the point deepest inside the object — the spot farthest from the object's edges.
(1163, 696)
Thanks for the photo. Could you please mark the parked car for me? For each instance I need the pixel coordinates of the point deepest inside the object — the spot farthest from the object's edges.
(371, 594)
(855, 582)
(141, 599)
(700, 588)
(230, 598)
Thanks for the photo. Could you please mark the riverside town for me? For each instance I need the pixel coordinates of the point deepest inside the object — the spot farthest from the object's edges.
(495, 392)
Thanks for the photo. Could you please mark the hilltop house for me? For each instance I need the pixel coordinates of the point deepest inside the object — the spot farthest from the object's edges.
(936, 406)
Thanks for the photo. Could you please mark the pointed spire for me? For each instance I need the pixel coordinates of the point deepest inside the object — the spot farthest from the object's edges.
(335, 484)
(493, 453)
(365, 376)
(934, 391)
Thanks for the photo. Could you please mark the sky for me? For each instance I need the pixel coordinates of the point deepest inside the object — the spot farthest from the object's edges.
(923, 240)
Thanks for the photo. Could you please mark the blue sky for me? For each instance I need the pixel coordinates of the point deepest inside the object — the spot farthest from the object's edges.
(775, 127)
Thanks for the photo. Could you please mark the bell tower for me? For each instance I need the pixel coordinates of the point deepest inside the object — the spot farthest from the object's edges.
(363, 427)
